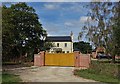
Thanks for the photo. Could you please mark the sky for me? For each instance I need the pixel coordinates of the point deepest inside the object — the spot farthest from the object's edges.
(58, 0)
(60, 18)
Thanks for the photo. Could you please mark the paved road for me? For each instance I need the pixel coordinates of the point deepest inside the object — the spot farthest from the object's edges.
(48, 74)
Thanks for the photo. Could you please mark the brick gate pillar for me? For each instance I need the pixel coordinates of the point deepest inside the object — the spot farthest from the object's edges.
(77, 58)
(42, 59)
(39, 59)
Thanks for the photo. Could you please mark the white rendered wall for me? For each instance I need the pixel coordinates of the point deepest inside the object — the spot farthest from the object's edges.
(62, 45)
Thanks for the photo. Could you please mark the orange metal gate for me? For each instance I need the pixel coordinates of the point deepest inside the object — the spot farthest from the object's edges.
(59, 59)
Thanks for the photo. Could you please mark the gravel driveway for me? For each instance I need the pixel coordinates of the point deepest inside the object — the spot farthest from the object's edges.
(48, 74)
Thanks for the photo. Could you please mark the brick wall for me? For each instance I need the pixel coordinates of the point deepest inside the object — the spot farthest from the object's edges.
(82, 60)
(39, 59)
(77, 58)
(85, 60)
(117, 57)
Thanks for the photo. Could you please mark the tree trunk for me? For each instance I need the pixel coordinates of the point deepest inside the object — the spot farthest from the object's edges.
(113, 59)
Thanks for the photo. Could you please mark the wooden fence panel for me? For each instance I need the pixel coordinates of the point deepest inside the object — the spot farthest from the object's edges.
(59, 59)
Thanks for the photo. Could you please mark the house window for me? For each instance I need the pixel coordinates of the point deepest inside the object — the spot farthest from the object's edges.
(65, 44)
(67, 51)
(57, 44)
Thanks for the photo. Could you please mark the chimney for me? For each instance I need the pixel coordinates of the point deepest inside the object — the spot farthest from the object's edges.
(71, 34)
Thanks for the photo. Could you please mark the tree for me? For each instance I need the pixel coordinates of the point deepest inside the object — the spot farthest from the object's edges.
(7, 33)
(0, 31)
(116, 29)
(21, 30)
(80, 36)
(48, 45)
(83, 47)
(101, 31)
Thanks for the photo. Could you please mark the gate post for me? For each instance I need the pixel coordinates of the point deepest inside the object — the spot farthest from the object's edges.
(77, 58)
(42, 59)
(39, 59)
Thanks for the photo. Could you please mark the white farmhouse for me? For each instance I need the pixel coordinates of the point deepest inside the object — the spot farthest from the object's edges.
(62, 44)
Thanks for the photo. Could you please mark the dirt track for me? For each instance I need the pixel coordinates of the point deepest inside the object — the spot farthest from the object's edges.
(48, 74)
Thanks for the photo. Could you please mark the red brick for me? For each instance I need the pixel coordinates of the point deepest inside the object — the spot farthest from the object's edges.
(39, 59)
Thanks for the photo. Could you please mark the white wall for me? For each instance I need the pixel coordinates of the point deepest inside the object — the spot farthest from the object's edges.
(62, 45)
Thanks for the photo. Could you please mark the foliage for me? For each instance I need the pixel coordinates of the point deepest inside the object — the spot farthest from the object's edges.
(103, 26)
(48, 45)
(100, 71)
(0, 31)
(80, 36)
(99, 24)
(83, 47)
(22, 32)
(116, 29)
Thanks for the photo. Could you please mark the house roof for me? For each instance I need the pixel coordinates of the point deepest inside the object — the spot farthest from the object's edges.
(99, 49)
(58, 39)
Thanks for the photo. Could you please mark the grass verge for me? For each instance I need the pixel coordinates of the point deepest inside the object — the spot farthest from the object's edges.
(101, 71)
(10, 78)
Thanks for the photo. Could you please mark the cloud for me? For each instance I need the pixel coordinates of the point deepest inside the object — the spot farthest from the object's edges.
(76, 22)
(52, 6)
(68, 24)
(52, 28)
(77, 7)
(73, 7)
(84, 19)
(65, 27)
(49, 6)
